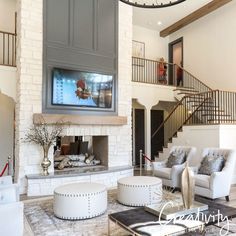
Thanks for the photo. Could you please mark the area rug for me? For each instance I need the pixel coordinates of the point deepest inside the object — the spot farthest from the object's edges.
(39, 214)
(40, 217)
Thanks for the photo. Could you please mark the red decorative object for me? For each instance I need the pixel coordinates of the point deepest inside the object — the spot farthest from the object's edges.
(4, 169)
(81, 91)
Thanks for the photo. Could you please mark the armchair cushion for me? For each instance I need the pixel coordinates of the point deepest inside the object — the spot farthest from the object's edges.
(9, 194)
(176, 158)
(5, 180)
(158, 164)
(163, 173)
(202, 181)
(211, 164)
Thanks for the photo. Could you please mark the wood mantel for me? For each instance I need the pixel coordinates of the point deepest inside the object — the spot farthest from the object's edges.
(79, 120)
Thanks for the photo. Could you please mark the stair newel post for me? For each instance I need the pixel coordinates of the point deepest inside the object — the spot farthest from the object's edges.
(218, 93)
(215, 107)
(10, 166)
(140, 161)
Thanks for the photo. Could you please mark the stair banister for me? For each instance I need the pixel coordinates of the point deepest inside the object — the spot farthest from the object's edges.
(176, 107)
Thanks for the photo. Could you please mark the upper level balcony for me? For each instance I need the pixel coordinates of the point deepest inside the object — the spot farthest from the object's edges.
(7, 48)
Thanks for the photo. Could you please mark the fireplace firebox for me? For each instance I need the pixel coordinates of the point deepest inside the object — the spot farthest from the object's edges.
(80, 151)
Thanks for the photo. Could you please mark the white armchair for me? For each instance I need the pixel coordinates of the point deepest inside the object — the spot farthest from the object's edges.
(172, 176)
(217, 184)
(11, 210)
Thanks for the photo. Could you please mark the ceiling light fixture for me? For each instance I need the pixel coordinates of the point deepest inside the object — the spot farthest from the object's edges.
(151, 3)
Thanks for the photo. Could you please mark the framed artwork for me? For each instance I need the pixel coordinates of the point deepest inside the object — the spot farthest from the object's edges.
(138, 52)
(138, 49)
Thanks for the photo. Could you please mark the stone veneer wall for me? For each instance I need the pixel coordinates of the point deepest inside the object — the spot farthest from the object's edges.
(29, 91)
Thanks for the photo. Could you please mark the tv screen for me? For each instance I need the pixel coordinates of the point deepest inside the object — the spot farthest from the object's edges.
(82, 89)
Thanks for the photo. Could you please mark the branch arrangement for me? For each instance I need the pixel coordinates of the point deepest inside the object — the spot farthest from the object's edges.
(43, 134)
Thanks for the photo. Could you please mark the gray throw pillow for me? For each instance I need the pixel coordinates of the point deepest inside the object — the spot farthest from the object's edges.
(211, 164)
(176, 158)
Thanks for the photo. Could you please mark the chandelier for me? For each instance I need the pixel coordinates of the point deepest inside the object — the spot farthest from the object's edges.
(151, 3)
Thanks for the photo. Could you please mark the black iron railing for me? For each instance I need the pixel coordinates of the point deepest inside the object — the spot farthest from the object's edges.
(150, 71)
(7, 48)
(189, 80)
(211, 107)
(157, 72)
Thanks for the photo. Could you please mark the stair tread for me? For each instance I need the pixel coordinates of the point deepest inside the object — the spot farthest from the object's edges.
(221, 120)
(196, 105)
(211, 110)
(199, 97)
(189, 94)
(200, 101)
(227, 115)
(186, 89)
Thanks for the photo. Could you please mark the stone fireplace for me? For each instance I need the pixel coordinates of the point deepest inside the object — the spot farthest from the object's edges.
(80, 151)
(112, 134)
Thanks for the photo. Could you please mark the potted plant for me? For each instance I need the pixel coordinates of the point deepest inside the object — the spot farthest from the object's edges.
(44, 135)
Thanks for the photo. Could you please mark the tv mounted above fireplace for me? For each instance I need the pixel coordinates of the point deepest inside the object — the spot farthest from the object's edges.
(80, 91)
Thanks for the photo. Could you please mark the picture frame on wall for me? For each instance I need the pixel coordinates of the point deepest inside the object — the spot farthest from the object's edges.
(138, 53)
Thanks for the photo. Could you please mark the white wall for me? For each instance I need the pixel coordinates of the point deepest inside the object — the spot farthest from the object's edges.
(7, 15)
(155, 46)
(7, 107)
(197, 136)
(228, 136)
(210, 48)
(8, 81)
(150, 95)
(220, 136)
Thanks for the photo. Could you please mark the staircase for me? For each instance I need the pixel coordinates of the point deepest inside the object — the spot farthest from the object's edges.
(197, 105)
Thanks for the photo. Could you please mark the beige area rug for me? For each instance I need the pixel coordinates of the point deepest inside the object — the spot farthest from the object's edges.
(40, 221)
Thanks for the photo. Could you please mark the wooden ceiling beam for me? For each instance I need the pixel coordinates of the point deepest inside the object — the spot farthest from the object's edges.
(206, 9)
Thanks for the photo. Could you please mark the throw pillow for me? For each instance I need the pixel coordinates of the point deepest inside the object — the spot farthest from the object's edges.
(176, 158)
(211, 164)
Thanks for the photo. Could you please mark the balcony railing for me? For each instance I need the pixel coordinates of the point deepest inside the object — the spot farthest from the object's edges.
(7, 48)
(150, 71)
(157, 72)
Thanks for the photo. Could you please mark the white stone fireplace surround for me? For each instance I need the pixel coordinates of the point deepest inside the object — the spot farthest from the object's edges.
(29, 96)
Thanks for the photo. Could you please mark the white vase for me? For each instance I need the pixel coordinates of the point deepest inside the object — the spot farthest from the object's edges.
(187, 187)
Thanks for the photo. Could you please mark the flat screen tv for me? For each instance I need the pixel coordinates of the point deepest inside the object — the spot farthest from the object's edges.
(82, 89)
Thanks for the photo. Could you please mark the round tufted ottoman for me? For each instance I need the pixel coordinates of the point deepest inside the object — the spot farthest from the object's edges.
(80, 200)
(139, 190)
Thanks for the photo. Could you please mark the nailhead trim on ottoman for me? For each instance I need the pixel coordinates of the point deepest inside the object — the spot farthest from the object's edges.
(139, 190)
(78, 201)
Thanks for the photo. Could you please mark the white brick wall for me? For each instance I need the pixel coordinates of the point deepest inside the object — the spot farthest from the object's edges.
(29, 91)
(46, 186)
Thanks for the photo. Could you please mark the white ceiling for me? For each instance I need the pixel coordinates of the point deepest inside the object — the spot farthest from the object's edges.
(149, 18)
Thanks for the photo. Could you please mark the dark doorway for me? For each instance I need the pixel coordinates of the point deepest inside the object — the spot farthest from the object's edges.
(175, 57)
(157, 142)
(139, 134)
